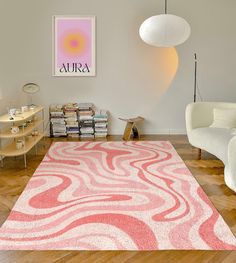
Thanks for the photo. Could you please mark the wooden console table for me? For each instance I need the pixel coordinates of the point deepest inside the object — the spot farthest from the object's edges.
(8, 149)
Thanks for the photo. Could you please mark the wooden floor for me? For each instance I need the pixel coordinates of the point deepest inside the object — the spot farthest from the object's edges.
(208, 172)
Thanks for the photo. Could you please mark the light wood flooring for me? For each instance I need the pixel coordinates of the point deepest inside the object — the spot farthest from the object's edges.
(208, 171)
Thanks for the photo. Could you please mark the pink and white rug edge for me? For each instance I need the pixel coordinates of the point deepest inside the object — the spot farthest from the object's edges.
(114, 196)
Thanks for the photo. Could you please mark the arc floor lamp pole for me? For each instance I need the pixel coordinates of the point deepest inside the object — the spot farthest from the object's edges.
(195, 95)
(195, 78)
(165, 6)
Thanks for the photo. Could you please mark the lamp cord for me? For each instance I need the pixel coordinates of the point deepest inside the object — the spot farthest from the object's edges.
(196, 86)
(165, 6)
(199, 93)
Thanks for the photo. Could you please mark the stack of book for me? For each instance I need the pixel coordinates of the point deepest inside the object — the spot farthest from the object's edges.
(57, 121)
(71, 119)
(100, 123)
(86, 123)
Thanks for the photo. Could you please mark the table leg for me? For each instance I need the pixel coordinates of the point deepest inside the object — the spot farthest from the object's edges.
(199, 154)
(128, 131)
(25, 162)
(135, 132)
(2, 161)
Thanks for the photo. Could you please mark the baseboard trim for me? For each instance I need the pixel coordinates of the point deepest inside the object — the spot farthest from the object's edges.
(158, 132)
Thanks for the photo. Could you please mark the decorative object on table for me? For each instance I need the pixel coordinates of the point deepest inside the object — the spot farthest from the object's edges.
(24, 109)
(12, 113)
(30, 121)
(8, 140)
(165, 30)
(32, 107)
(18, 112)
(20, 144)
(135, 196)
(15, 129)
(35, 133)
(74, 46)
(30, 89)
(131, 128)
(23, 125)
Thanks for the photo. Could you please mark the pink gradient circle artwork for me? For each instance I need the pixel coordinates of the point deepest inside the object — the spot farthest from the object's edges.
(74, 38)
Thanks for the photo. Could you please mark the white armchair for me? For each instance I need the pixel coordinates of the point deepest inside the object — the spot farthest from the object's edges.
(218, 141)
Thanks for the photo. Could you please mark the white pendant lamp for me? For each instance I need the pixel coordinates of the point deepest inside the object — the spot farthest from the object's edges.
(165, 30)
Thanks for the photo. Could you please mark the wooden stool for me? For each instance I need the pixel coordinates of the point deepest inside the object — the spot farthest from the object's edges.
(131, 128)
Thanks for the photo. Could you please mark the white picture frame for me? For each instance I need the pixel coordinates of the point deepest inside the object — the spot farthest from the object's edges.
(74, 46)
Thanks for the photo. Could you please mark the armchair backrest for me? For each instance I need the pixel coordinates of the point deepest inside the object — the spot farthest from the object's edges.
(200, 114)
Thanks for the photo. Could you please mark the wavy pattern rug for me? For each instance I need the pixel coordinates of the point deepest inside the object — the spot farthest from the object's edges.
(114, 196)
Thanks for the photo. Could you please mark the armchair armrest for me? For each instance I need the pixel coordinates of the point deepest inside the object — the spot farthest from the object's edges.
(199, 114)
(230, 168)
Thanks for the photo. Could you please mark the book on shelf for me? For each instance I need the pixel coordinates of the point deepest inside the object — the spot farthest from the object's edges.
(71, 106)
(71, 119)
(86, 106)
(100, 125)
(87, 130)
(57, 114)
(62, 122)
(72, 126)
(59, 129)
(56, 107)
(86, 118)
(101, 130)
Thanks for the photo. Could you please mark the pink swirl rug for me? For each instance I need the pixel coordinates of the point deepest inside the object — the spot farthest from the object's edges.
(114, 196)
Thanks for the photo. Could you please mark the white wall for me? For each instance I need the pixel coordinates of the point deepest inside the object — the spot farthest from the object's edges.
(132, 77)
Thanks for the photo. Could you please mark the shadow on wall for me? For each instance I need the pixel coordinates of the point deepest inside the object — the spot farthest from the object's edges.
(162, 72)
(161, 65)
(169, 65)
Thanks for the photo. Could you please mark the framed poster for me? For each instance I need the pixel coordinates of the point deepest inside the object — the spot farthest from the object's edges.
(74, 46)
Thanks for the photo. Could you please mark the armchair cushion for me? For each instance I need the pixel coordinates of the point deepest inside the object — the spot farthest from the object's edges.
(224, 118)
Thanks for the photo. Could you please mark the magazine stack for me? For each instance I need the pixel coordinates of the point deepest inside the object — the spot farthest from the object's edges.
(71, 118)
(57, 121)
(86, 123)
(100, 123)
